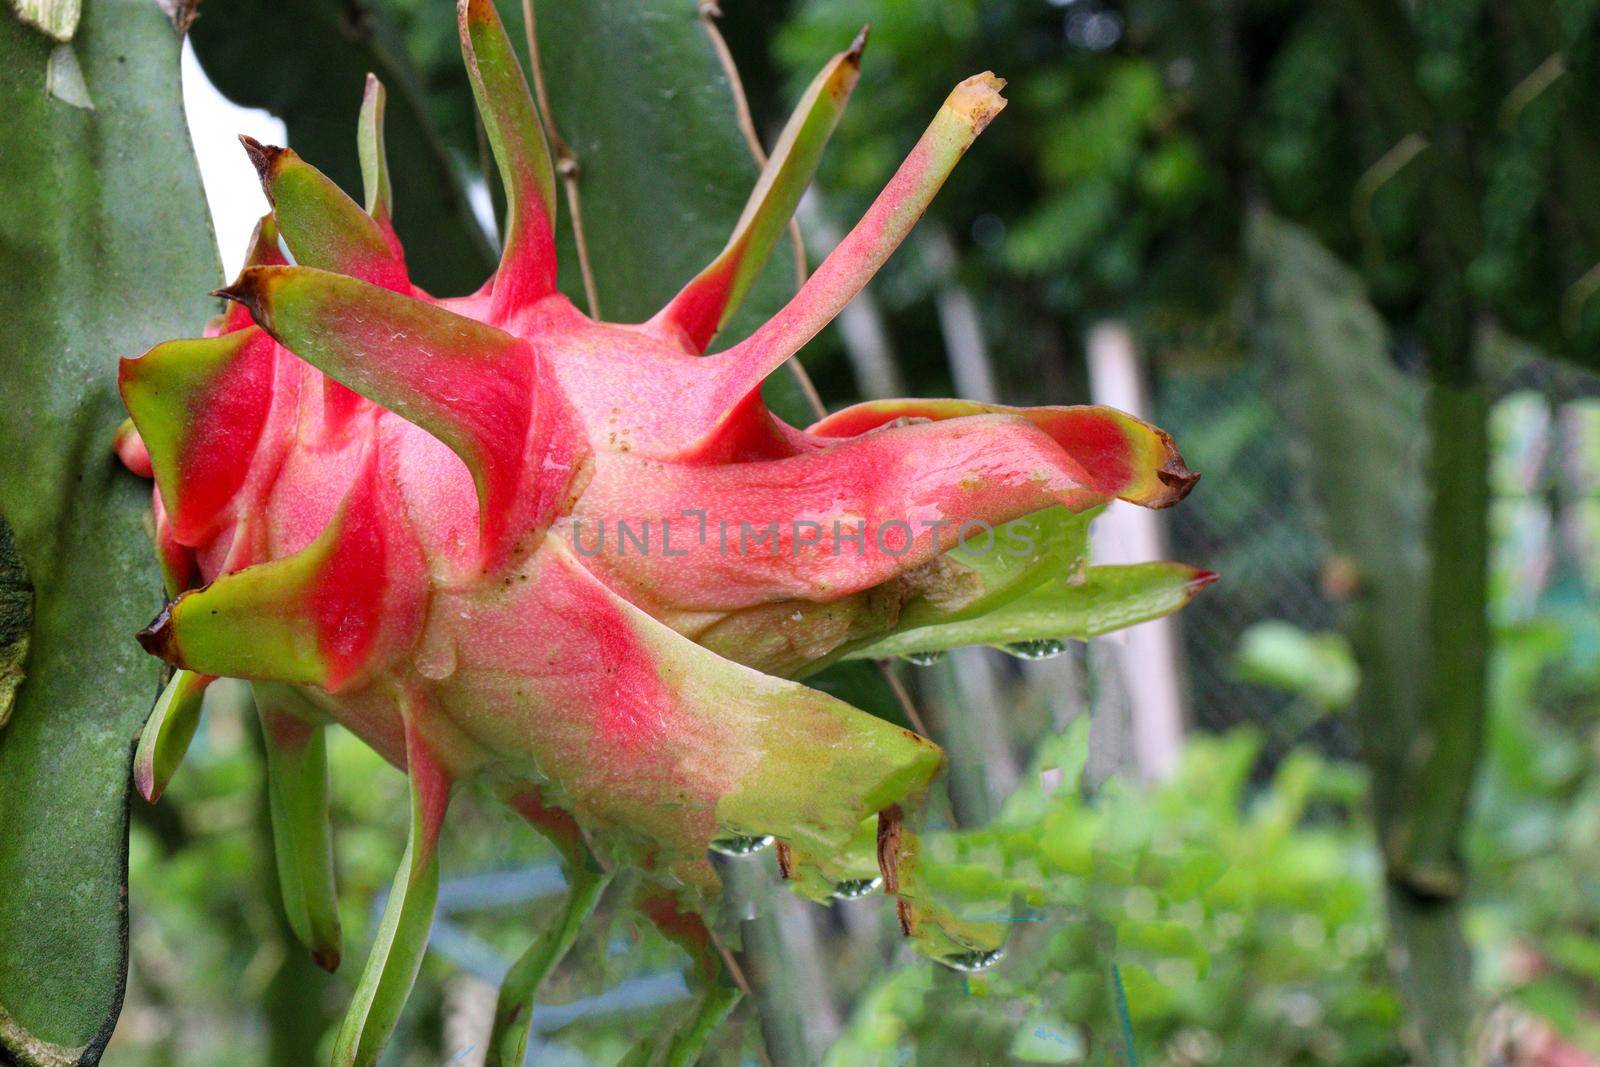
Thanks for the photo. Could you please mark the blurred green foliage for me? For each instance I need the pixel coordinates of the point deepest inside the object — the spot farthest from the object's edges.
(1246, 916)
(1535, 835)
(1139, 133)
(1316, 666)
(1091, 196)
(1245, 923)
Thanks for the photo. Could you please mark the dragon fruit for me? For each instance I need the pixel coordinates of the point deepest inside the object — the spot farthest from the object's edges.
(579, 560)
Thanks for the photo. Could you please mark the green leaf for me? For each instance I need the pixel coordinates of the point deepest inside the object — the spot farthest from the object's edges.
(307, 62)
(1109, 598)
(107, 250)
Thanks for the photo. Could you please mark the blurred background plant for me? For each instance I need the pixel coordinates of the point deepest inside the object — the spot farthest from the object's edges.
(1344, 248)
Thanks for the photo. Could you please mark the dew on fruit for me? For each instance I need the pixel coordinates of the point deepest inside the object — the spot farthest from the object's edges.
(856, 888)
(436, 659)
(973, 962)
(1033, 650)
(741, 844)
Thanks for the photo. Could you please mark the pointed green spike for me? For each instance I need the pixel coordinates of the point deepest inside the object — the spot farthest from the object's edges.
(513, 1011)
(200, 406)
(967, 111)
(706, 304)
(528, 262)
(374, 160)
(468, 384)
(407, 917)
(167, 733)
(302, 831)
(322, 226)
(586, 881)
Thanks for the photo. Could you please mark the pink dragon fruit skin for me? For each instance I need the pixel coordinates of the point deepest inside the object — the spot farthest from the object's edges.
(381, 508)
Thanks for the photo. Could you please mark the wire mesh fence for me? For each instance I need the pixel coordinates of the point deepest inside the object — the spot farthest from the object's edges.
(1252, 522)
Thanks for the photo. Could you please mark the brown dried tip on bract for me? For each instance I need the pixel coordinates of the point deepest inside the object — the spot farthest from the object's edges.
(264, 157)
(1202, 579)
(156, 638)
(977, 100)
(857, 46)
(889, 863)
(246, 289)
(326, 958)
(1175, 475)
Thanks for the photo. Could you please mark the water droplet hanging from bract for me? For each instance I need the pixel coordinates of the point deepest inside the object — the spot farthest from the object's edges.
(436, 659)
(856, 888)
(973, 962)
(1044, 648)
(923, 659)
(741, 844)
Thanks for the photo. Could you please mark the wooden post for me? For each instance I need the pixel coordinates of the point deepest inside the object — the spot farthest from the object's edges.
(1147, 654)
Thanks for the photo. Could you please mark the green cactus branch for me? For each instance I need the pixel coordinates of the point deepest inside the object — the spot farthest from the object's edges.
(110, 253)
(1422, 839)
(1368, 468)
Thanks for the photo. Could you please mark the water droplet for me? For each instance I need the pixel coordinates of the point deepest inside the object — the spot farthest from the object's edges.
(973, 962)
(1041, 649)
(740, 844)
(436, 660)
(923, 659)
(855, 888)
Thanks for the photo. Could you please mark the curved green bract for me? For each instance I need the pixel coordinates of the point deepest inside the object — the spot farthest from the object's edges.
(107, 251)
(1107, 599)
(167, 733)
(298, 798)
